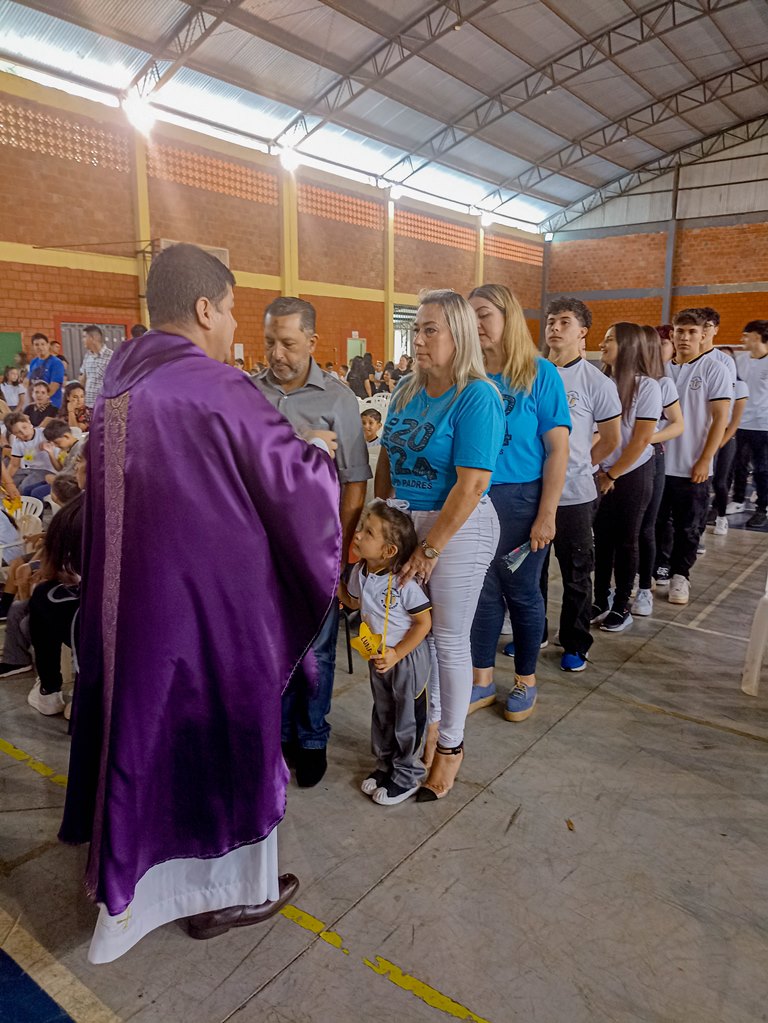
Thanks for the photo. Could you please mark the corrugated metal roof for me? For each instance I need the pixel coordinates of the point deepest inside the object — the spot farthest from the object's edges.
(145, 19)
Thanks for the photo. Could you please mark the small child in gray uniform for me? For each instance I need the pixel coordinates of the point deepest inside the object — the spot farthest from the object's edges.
(396, 620)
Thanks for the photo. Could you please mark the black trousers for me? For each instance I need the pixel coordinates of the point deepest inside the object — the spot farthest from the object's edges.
(574, 550)
(617, 535)
(721, 479)
(751, 446)
(52, 609)
(647, 560)
(682, 502)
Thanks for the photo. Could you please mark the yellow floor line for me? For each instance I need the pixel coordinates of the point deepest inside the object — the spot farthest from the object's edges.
(54, 978)
(83, 1006)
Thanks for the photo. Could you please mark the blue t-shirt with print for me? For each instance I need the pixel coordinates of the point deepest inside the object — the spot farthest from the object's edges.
(429, 437)
(527, 418)
(51, 370)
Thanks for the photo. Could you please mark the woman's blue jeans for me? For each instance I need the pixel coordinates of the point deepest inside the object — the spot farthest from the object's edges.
(517, 505)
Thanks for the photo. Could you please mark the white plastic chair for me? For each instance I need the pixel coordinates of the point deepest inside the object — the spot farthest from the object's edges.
(380, 401)
(758, 638)
(30, 506)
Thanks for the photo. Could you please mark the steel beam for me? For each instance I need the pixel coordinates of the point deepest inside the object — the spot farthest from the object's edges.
(187, 35)
(651, 24)
(719, 142)
(717, 87)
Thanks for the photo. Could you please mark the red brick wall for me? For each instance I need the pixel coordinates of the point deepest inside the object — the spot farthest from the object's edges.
(337, 318)
(65, 181)
(250, 304)
(629, 261)
(433, 252)
(722, 255)
(634, 310)
(36, 297)
(341, 237)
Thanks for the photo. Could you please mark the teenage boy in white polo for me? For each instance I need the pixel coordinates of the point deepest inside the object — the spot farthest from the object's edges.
(706, 391)
(752, 435)
(594, 404)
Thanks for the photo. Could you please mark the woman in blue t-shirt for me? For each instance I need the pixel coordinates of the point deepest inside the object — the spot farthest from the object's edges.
(525, 491)
(440, 443)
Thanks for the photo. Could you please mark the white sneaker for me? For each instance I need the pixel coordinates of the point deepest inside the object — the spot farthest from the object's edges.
(643, 603)
(679, 590)
(734, 507)
(506, 629)
(721, 526)
(46, 703)
(635, 586)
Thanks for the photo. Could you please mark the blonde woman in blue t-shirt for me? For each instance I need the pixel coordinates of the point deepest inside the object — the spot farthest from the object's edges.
(440, 443)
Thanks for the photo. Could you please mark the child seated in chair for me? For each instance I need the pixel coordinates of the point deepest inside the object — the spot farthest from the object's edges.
(395, 624)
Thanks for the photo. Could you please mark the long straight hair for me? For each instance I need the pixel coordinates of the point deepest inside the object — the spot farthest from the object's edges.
(651, 362)
(518, 353)
(468, 358)
(630, 338)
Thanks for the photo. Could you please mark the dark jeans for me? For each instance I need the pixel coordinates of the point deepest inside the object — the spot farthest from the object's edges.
(721, 480)
(752, 446)
(517, 505)
(305, 707)
(617, 535)
(647, 561)
(574, 550)
(52, 609)
(682, 503)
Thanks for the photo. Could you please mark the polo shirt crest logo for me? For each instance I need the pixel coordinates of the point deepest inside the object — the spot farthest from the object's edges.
(696, 384)
(573, 399)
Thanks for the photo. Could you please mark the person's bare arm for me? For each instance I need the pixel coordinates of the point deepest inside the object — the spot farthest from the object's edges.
(346, 597)
(53, 388)
(720, 412)
(553, 480)
(608, 437)
(352, 503)
(732, 427)
(382, 484)
(13, 468)
(462, 500)
(675, 424)
(637, 443)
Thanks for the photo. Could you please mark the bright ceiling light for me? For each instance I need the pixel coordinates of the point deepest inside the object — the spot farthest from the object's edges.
(395, 193)
(486, 219)
(139, 112)
(290, 160)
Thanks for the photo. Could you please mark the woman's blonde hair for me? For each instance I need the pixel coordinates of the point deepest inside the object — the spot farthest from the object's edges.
(518, 352)
(468, 358)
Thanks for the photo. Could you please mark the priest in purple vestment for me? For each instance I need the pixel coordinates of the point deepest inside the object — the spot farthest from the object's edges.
(211, 553)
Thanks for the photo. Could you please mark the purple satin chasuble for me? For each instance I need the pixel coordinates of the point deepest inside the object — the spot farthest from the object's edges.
(211, 556)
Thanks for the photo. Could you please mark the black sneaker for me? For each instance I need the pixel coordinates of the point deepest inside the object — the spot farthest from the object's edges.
(757, 521)
(311, 765)
(6, 670)
(374, 781)
(391, 794)
(662, 578)
(616, 621)
(598, 614)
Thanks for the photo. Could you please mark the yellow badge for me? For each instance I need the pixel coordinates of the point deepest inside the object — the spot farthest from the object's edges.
(367, 643)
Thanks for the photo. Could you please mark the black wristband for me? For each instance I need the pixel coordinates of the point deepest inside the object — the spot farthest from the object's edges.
(611, 478)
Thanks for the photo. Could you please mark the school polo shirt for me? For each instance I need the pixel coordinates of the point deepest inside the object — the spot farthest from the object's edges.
(371, 590)
(726, 361)
(669, 396)
(30, 454)
(323, 404)
(52, 371)
(698, 383)
(754, 373)
(428, 438)
(646, 406)
(592, 398)
(527, 418)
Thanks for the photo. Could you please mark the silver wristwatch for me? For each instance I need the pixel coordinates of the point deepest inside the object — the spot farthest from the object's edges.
(429, 552)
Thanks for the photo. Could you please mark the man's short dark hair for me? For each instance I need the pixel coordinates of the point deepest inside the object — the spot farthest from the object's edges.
(13, 419)
(286, 305)
(55, 429)
(138, 329)
(92, 328)
(691, 317)
(713, 316)
(571, 305)
(64, 487)
(371, 413)
(40, 337)
(178, 277)
(756, 327)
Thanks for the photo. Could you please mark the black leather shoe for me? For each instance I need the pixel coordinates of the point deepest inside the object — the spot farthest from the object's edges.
(219, 921)
(311, 765)
(289, 752)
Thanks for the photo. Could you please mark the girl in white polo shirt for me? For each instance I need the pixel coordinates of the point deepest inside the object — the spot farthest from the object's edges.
(625, 478)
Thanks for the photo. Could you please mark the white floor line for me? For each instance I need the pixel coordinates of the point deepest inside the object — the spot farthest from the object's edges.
(54, 978)
(709, 632)
(729, 589)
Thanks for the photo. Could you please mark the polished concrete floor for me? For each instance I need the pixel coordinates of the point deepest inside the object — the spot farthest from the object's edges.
(603, 861)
